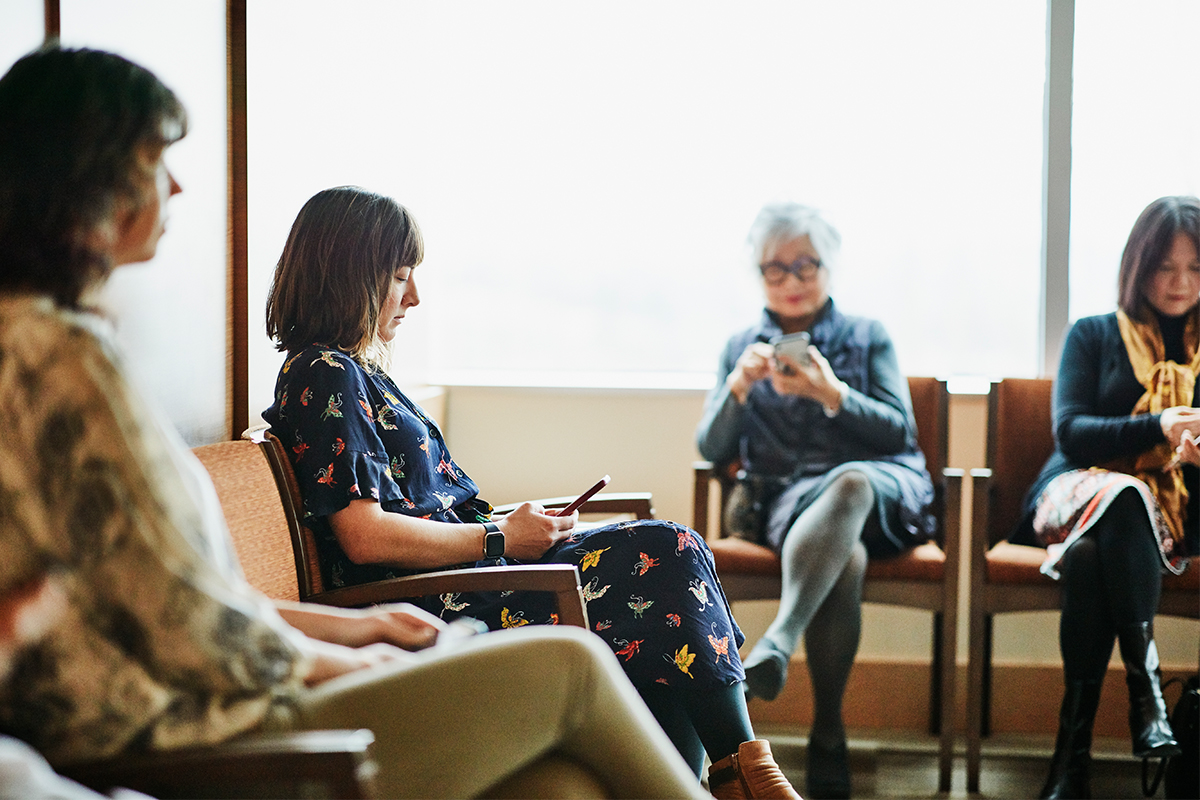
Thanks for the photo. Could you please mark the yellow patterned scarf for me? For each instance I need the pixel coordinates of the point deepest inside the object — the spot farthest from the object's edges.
(1167, 384)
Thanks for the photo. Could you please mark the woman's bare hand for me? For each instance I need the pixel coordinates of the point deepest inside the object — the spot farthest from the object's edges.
(752, 366)
(1188, 451)
(399, 624)
(814, 380)
(1178, 419)
(529, 531)
(333, 660)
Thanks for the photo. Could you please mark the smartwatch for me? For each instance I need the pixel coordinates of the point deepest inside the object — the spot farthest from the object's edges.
(493, 540)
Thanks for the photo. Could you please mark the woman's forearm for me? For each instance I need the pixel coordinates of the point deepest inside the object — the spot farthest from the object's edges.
(720, 427)
(370, 535)
(1091, 440)
(879, 424)
(398, 624)
(327, 623)
(879, 417)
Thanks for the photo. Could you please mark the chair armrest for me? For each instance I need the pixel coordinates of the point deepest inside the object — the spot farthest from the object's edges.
(639, 504)
(981, 480)
(702, 473)
(952, 481)
(560, 579)
(335, 762)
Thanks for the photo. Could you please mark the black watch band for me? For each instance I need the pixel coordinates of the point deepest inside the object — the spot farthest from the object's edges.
(493, 540)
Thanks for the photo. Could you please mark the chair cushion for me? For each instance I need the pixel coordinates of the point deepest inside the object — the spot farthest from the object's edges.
(1019, 563)
(926, 562)
(1016, 563)
(740, 556)
(1188, 581)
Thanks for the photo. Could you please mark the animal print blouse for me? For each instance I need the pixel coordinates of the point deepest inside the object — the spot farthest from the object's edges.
(162, 642)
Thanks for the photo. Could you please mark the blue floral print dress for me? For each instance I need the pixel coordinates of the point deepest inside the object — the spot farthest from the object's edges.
(651, 588)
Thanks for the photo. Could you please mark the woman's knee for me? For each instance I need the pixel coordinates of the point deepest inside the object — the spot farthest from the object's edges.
(1124, 531)
(553, 642)
(851, 491)
(1128, 509)
(575, 653)
(1080, 566)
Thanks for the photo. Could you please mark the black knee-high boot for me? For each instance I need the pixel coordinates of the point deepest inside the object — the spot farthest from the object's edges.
(1070, 768)
(1149, 725)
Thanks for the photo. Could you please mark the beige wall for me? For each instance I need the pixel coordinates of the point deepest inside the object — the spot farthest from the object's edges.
(525, 443)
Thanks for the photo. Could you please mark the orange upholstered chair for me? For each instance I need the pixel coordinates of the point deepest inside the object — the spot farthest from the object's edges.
(925, 577)
(261, 500)
(1005, 577)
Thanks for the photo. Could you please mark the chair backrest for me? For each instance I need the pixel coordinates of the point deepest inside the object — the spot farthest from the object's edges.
(1020, 439)
(246, 487)
(931, 411)
(303, 541)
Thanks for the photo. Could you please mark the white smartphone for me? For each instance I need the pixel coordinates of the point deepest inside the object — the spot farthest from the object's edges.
(793, 345)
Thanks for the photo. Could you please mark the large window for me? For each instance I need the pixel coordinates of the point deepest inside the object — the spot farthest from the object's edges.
(170, 313)
(1136, 130)
(22, 31)
(585, 173)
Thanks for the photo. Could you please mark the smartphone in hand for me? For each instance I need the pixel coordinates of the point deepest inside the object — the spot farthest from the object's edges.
(793, 345)
(583, 498)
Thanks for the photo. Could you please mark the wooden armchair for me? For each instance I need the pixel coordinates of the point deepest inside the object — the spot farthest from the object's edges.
(1005, 577)
(925, 577)
(261, 499)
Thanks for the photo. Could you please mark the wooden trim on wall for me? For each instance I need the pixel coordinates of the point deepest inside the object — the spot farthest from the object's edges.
(53, 20)
(237, 332)
(894, 695)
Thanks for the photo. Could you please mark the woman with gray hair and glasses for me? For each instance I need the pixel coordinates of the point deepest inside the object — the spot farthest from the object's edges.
(822, 431)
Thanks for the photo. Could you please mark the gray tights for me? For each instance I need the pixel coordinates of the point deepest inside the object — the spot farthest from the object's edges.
(824, 562)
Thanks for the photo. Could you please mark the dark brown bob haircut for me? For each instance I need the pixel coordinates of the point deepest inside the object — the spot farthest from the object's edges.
(72, 126)
(1148, 244)
(336, 269)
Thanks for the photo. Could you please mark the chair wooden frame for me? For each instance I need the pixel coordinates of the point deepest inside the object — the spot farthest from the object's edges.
(291, 764)
(1005, 577)
(904, 581)
(336, 761)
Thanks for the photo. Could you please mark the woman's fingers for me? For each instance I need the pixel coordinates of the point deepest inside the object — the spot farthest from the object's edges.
(1189, 449)
(803, 380)
(1177, 420)
(529, 531)
(409, 627)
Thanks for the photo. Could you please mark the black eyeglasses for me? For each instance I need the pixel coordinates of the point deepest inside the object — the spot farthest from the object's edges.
(776, 272)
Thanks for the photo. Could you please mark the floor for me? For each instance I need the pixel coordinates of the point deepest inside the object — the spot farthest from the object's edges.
(885, 765)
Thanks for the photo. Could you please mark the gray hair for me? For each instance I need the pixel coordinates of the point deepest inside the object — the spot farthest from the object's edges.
(784, 221)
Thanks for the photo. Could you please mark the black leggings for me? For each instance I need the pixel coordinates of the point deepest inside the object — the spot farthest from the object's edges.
(1111, 577)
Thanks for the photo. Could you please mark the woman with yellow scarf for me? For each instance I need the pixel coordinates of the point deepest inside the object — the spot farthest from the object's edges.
(1111, 504)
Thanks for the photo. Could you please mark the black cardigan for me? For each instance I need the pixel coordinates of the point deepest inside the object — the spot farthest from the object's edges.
(1093, 396)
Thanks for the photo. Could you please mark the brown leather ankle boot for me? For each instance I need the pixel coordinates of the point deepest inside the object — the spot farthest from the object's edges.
(751, 772)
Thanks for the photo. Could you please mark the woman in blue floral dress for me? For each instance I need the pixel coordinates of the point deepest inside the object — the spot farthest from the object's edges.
(385, 497)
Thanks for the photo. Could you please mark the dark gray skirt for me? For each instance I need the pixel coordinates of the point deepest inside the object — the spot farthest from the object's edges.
(891, 528)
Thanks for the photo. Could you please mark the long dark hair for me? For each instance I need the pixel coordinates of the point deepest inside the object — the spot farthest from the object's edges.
(1148, 244)
(72, 123)
(336, 269)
